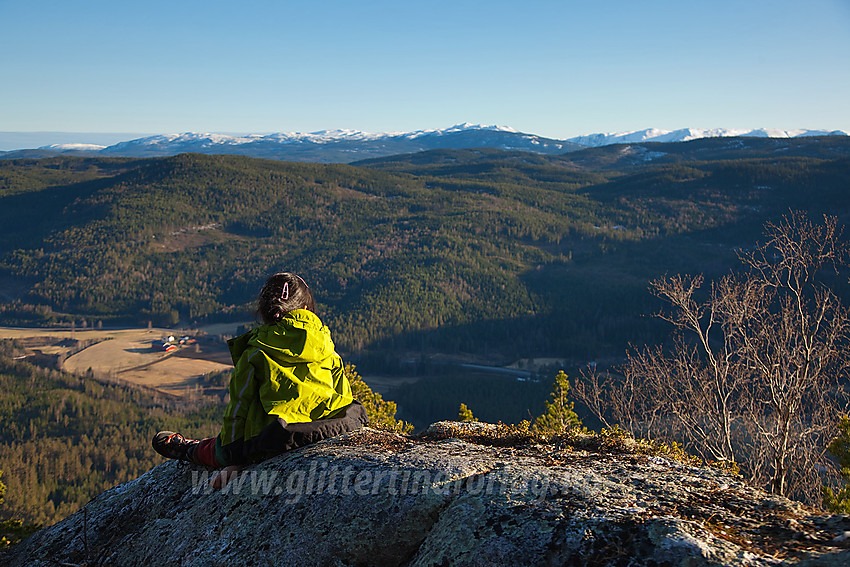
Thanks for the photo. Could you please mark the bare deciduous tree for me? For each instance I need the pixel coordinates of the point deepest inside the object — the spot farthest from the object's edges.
(755, 372)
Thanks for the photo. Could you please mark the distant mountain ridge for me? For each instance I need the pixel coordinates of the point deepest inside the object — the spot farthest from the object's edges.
(327, 146)
(688, 134)
(347, 146)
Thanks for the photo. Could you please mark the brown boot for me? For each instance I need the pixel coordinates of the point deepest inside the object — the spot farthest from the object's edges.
(174, 446)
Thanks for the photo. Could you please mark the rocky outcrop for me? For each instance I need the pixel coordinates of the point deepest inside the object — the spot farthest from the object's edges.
(457, 495)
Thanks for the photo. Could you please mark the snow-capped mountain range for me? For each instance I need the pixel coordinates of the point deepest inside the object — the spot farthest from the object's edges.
(339, 146)
(345, 146)
(688, 134)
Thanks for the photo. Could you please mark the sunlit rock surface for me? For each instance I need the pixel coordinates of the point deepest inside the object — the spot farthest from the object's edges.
(460, 494)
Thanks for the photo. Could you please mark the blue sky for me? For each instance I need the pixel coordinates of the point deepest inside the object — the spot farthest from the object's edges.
(558, 69)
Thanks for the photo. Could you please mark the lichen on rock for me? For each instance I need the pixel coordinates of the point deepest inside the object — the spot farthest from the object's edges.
(458, 494)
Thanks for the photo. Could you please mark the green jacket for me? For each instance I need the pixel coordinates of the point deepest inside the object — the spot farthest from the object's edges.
(285, 371)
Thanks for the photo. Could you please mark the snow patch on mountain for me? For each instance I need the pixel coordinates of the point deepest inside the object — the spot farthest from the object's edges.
(687, 134)
(465, 127)
(187, 138)
(73, 147)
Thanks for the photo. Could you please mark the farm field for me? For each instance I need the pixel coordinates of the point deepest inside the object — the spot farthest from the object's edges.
(129, 355)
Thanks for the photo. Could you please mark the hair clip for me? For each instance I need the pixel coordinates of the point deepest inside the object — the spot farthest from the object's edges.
(284, 294)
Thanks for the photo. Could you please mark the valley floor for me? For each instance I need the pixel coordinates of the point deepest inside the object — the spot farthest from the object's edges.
(131, 355)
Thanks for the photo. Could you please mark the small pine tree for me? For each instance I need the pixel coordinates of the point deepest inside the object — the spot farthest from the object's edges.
(12, 531)
(559, 416)
(840, 449)
(465, 414)
(381, 412)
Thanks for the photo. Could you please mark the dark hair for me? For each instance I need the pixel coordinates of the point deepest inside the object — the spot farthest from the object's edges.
(282, 293)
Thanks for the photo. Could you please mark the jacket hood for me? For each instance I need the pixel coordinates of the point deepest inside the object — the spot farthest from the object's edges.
(299, 336)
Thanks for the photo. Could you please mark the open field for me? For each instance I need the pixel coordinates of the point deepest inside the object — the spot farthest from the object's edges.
(129, 355)
(134, 356)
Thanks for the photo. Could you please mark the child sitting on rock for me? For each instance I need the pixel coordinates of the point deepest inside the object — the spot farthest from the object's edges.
(288, 387)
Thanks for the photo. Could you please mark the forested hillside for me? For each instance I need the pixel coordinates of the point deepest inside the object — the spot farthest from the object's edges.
(482, 253)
